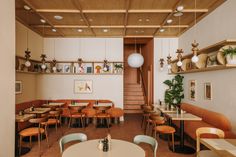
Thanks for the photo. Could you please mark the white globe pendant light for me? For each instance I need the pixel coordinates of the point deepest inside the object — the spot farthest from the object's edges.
(135, 60)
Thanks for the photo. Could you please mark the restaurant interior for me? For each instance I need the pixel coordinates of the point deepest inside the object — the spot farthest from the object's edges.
(112, 78)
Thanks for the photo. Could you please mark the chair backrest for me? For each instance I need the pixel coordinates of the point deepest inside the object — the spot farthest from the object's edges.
(207, 130)
(71, 137)
(147, 139)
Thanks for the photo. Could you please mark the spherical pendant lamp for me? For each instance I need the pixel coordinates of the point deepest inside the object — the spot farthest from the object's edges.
(135, 60)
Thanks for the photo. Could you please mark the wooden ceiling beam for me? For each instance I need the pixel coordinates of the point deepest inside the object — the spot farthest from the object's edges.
(168, 16)
(43, 17)
(127, 6)
(28, 26)
(79, 7)
(118, 11)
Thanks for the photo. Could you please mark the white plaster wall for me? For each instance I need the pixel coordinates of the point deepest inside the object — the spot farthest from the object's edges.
(7, 78)
(162, 48)
(92, 49)
(217, 26)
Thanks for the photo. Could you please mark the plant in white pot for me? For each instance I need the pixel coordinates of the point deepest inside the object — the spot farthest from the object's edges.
(230, 54)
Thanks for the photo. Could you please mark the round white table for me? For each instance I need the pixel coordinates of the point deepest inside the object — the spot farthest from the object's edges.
(119, 148)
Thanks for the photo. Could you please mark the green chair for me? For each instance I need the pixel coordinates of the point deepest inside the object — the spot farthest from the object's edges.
(71, 137)
(147, 139)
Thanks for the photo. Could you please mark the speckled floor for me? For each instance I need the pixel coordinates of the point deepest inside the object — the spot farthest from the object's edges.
(125, 131)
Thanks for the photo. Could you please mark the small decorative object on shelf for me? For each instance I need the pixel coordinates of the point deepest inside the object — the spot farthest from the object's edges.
(54, 68)
(43, 60)
(229, 53)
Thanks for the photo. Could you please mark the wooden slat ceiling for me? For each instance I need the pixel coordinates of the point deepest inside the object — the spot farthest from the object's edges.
(120, 18)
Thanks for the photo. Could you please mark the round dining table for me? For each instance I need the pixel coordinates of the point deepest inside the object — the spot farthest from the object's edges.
(90, 149)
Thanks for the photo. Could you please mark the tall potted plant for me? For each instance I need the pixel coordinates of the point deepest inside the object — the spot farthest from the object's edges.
(174, 94)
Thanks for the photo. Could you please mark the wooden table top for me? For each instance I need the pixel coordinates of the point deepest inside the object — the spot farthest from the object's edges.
(184, 116)
(24, 117)
(222, 147)
(52, 104)
(103, 105)
(163, 109)
(119, 148)
(37, 110)
(80, 104)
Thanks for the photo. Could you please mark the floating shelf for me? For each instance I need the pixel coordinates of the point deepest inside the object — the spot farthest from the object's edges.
(213, 68)
(207, 50)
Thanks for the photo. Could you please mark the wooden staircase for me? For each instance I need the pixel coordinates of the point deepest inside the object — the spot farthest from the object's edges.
(133, 98)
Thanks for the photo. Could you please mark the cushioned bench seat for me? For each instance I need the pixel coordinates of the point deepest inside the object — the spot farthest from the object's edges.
(209, 119)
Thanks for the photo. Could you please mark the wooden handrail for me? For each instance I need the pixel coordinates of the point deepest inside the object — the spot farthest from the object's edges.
(144, 87)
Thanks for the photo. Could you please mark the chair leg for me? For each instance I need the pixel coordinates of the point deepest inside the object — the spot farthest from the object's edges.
(46, 134)
(173, 142)
(39, 144)
(30, 141)
(108, 122)
(142, 121)
(82, 121)
(147, 128)
(20, 146)
(69, 122)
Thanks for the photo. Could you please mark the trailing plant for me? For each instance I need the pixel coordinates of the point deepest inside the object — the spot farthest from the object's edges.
(230, 51)
(174, 94)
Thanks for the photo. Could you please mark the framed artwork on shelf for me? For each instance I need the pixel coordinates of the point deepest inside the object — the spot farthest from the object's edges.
(66, 68)
(212, 60)
(192, 90)
(88, 68)
(208, 91)
(59, 68)
(98, 68)
(80, 68)
(118, 68)
(83, 86)
(18, 87)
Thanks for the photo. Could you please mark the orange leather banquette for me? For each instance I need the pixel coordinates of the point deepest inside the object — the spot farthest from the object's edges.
(209, 119)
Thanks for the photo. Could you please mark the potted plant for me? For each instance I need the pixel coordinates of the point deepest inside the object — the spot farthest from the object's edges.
(174, 94)
(230, 54)
(118, 68)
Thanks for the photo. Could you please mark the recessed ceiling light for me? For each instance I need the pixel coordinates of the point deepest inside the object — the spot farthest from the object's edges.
(80, 30)
(54, 30)
(180, 8)
(26, 7)
(90, 20)
(162, 30)
(169, 21)
(140, 20)
(81, 19)
(142, 31)
(42, 20)
(58, 17)
(147, 20)
(136, 31)
(105, 30)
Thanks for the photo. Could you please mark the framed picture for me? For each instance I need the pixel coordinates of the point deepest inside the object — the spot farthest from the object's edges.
(207, 91)
(83, 86)
(18, 87)
(66, 68)
(192, 90)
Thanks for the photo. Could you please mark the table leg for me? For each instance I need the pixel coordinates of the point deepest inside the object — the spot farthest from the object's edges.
(181, 148)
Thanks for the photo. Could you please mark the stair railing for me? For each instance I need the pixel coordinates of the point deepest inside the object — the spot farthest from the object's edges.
(144, 88)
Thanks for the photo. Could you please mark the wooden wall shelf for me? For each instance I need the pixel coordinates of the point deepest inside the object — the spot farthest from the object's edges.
(213, 68)
(208, 50)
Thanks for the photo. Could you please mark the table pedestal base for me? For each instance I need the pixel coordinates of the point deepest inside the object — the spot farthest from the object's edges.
(24, 150)
(184, 149)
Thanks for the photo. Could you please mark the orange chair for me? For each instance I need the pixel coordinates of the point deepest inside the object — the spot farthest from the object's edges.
(34, 131)
(115, 113)
(89, 114)
(102, 115)
(164, 129)
(54, 119)
(75, 113)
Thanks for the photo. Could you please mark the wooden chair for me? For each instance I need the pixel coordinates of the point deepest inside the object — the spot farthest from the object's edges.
(75, 113)
(71, 137)
(147, 111)
(151, 122)
(159, 128)
(89, 114)
(147, 139)
(54, 119)
(207, 130)
(115, 113)
(34, 131)
(102, 115)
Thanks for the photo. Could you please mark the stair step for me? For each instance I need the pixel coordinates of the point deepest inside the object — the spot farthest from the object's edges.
(133, 93)
(132, 85)
(133, 111)
(132, 107)
(134, 102)
(133, 89)
(133, 97)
